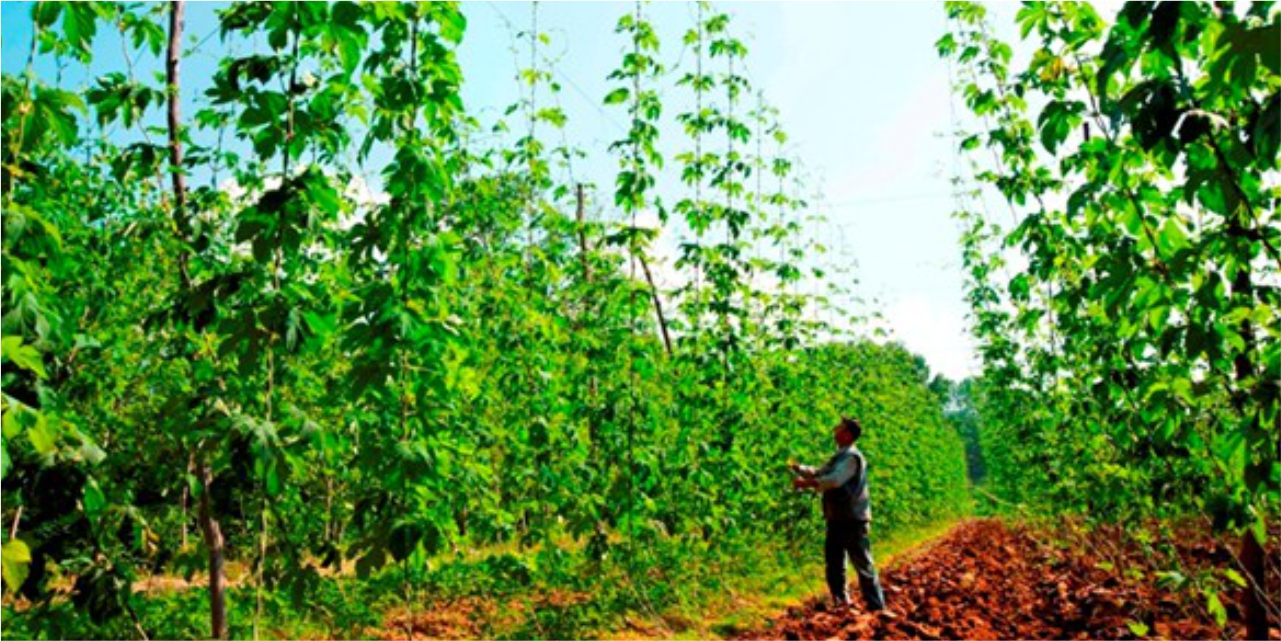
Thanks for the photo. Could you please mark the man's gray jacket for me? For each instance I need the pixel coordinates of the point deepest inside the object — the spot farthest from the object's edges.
(843, 482)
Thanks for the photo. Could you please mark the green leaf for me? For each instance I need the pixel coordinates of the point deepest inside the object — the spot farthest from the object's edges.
(370, 562)
(1171, 579)
(321, 324)
(24, 356)
(80, 23)
(1171, 238)
(45, 14)
(617, 96)
(1229, 450)
(1057, 121)
(272, 478)
(1265, 136)
(53, 111)
(1157, 316)
(404, 539)
(44, 436)
(1139, 628)
(15, 557)
(1132, 219)
(1153, 110)
(453, 24)
(1259, 526)
(89, 452)
(1019, 288)
(1215, 607)
(350, 48)
(945, 45)
(322, 194)
(1231, 337)
(94, 501)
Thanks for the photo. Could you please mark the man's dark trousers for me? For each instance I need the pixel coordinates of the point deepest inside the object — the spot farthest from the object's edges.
(850, 537)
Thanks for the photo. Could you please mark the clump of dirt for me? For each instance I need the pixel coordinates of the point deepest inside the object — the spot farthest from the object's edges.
(454, 619)
(988, 580)
(471, 617)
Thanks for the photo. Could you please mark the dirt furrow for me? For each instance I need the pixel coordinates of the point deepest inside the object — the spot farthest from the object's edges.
(988, 580)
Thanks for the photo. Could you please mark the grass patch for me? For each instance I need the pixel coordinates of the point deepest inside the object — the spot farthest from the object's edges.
(757, 595)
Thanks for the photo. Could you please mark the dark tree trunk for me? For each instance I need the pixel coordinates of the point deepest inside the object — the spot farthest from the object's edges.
(658, 304)
(212, 532)
(172, 59)
(1252, 556)
(214, 540)
(1256, 613)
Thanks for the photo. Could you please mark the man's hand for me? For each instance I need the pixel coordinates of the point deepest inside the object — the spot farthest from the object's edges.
(799, 470)
(800, 483)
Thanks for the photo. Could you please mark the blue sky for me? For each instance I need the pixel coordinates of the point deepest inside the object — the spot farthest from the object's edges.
(861, 91)
(864, 98)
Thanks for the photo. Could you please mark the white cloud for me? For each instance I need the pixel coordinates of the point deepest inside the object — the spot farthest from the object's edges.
(934, 331)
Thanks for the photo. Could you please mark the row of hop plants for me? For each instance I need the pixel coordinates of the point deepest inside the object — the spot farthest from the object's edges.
(292, 373)
(1126, 313)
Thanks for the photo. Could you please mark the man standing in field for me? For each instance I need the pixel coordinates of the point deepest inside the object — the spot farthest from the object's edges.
(848, 512)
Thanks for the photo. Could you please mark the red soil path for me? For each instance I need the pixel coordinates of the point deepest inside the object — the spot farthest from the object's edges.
(988, 580)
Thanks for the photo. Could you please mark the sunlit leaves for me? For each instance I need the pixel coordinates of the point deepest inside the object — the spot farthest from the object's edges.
(453, 24)
(76, 30)
(16, 557)
(347, 34)
(115, 96)
(1057, 120)
(639, 155)
(94, 500)
(25, 356)
(1149, 280)
(29, 118)
(617, 96)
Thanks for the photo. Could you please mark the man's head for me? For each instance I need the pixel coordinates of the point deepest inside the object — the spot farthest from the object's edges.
(847, 431)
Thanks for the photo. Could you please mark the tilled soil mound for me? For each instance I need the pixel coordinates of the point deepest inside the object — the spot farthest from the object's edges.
(987, 580)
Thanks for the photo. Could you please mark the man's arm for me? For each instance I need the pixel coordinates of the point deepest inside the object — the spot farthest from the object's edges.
(804, 471)
(839, 475)
(804, 475)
